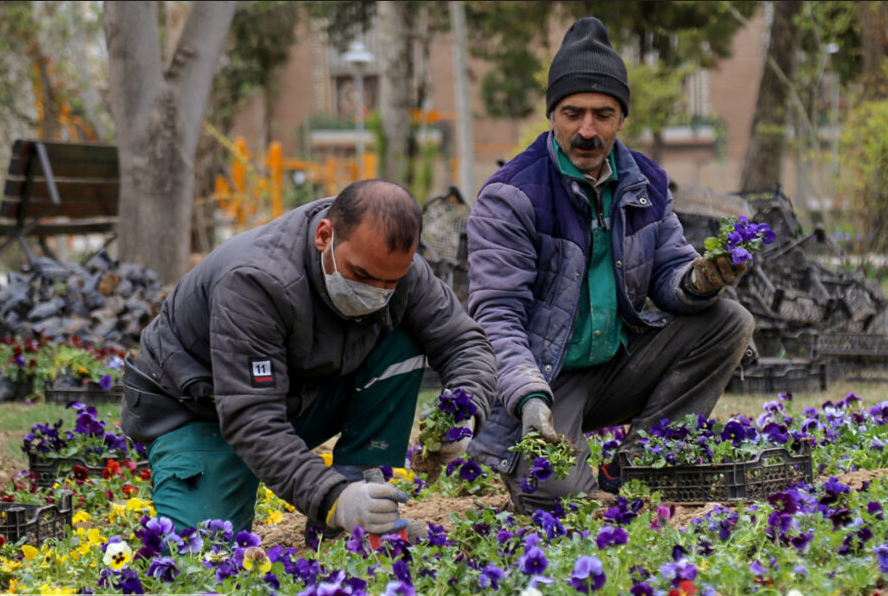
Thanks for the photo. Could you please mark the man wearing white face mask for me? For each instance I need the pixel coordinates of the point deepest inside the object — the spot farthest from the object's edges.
(315, 325)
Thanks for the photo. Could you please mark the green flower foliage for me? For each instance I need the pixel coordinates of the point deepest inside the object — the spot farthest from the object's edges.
(561, 455)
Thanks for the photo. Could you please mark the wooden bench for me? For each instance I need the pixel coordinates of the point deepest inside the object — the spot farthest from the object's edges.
(55, 189)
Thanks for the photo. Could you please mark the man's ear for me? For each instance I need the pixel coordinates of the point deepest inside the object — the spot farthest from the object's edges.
(323, 234)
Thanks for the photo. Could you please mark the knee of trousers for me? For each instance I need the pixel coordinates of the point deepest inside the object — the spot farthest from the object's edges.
(735, 323)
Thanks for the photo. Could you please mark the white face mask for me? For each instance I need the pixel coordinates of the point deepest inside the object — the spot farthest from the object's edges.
(352, 298)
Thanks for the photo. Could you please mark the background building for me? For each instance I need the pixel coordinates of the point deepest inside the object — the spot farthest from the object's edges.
(311, 111)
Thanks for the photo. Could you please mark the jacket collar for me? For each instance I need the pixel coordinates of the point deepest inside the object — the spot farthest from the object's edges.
(313, 257)
(629, 176)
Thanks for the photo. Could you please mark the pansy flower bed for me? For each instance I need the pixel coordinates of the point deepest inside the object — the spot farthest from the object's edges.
(86, 449)
(39, 365)
(826, 537)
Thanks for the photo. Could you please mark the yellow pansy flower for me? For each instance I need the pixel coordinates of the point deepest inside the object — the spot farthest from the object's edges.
(29, 551)
(275, 517)
(47, 589)
(402, 474)
(117, 554)
(328, 458)
(255, 557)
(7, 566)
(81, 516)
(95, 537)
(137, 504)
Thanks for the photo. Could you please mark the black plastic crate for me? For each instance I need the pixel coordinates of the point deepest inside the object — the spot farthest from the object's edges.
(36, 523)
(779, 375)
(49, 471)
(853, 344)
(85, 395)
(773, 470)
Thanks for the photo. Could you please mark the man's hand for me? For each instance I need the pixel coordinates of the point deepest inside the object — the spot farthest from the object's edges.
(374, 507)
(536, 415)
(450, 451)
(708, 277)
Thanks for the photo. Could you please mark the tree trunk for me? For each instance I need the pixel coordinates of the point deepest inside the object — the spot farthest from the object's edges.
(761, 168)
(873, 17)
(396, 68)
(657, 145)
(159, 115)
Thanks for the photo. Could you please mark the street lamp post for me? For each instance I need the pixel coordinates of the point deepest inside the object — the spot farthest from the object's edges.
(358, 56)
(832, 49)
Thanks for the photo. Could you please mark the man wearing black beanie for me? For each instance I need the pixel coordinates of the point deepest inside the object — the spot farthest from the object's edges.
(598, 309)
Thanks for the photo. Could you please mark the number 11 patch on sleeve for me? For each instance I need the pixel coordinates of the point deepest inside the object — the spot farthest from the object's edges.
(261, 374)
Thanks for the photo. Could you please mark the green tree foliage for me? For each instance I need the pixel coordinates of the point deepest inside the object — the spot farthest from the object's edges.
(345, 19)
(505, 35)
(504, 89)
(863, 159)
(821, 24)
(666, 35)
(49, 70)
(260, 39)
(16, 25)
(656, 94)
(677, 32)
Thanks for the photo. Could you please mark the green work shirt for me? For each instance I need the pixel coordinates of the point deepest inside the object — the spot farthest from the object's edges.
(598, 331)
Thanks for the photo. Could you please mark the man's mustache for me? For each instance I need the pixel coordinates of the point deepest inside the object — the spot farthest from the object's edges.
(592, 144)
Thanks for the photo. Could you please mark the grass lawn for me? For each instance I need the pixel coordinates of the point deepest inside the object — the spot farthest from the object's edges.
(751, 404)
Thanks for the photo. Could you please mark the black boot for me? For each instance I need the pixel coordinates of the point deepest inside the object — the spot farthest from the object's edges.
(609, 477)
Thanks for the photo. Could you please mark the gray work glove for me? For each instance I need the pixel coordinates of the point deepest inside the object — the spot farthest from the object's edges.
(374, 507)
(450, 451)
(708, 277)
(536, 415)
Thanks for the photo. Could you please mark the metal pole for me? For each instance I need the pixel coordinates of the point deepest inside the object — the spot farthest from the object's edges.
(359, 121)
(465, 136)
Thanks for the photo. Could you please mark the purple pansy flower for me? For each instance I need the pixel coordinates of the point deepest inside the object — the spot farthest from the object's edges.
(164, 569)
(881, 553)
(588, 574)
(458, 433)
(490, 577)
(469, 471)
(542, 469)
(356, 544)
(130, 582)
(549, 523)
(533, 561)
(609, 535)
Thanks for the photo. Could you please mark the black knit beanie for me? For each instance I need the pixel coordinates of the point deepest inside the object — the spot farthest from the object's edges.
(586, 63)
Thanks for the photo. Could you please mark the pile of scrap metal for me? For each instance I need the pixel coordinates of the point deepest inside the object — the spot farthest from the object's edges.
(102, 302)
(817, 318)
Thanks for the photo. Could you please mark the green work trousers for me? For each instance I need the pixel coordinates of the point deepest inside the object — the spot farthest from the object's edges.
(198, 476)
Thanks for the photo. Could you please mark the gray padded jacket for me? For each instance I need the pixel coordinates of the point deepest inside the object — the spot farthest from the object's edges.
(261, 295)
